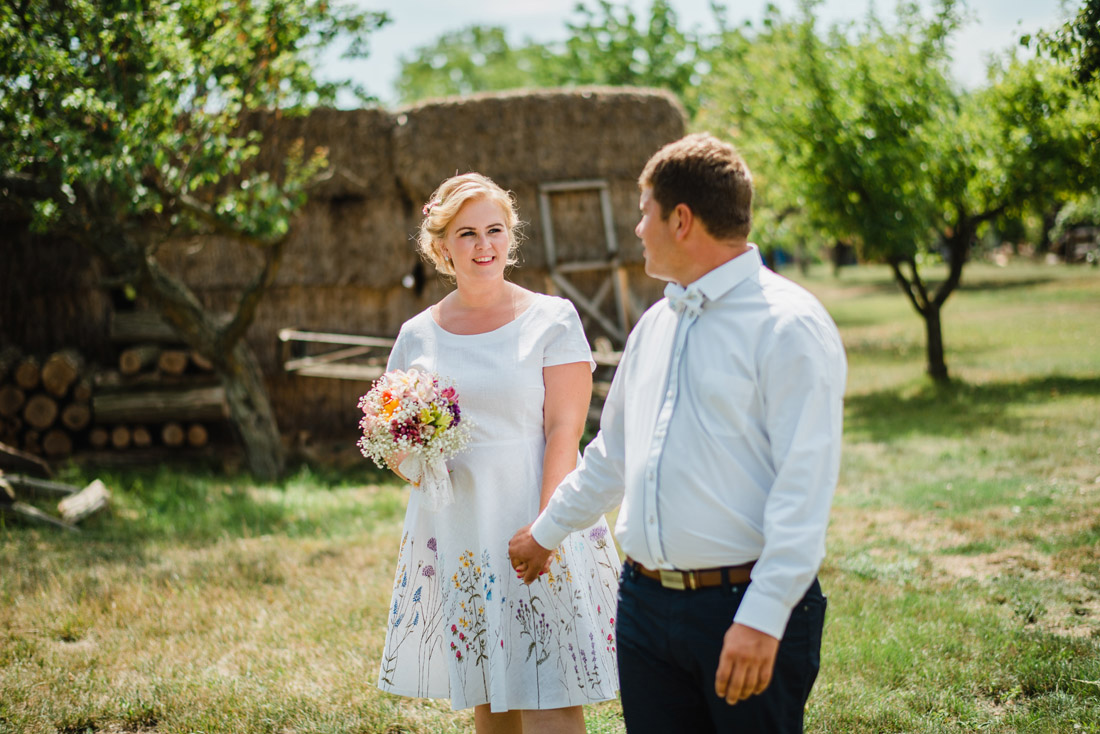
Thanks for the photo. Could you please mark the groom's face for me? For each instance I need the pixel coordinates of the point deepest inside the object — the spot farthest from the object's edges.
(658, 238)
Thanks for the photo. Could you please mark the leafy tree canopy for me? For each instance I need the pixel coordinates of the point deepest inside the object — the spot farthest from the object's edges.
(139, 102)
(121, 126)
(1076, 41)
(607, 44)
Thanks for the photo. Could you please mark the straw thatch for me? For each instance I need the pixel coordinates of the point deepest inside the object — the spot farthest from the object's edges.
(50, 295)
(524, 139)
(350, 265)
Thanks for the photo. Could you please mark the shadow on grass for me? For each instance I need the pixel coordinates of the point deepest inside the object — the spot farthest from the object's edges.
(1008, 284)
(956, 409)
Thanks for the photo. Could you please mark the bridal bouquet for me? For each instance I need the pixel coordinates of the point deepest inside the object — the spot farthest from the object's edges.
(413, 414)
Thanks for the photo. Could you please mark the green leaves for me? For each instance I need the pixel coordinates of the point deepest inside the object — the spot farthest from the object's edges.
(132, 106)
(607, 44)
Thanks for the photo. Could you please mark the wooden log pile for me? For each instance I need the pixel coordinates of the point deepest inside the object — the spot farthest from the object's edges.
(158, 397)
(161, 395)
(45, 403)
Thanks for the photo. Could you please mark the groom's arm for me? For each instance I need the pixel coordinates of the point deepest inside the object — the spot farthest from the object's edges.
(592, 489)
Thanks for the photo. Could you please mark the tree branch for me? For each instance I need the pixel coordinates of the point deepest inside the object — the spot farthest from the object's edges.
(233, 331)
(910, 289)
(205, 214)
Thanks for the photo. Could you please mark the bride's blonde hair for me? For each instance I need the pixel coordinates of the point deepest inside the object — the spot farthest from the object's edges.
(443, 207)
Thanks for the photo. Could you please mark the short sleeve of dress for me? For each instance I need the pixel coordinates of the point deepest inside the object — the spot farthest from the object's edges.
(397, 358)
(566, 342)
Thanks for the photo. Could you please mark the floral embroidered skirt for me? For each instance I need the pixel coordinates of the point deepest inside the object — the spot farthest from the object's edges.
(462, 626)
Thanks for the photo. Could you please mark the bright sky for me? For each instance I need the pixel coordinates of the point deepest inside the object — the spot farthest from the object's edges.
(994, 26)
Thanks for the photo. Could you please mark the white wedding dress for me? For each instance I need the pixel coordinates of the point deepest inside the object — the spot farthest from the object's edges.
(460, 624)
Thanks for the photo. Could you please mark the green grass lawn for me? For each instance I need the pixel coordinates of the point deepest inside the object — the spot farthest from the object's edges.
(963, 572)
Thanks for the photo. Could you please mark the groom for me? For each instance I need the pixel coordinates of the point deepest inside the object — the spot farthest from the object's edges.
(721, 439)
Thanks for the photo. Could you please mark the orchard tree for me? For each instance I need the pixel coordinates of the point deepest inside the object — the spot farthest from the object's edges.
(474, 59)
(1076, 42)
(120, 127)
(884, 150)
(606, 44)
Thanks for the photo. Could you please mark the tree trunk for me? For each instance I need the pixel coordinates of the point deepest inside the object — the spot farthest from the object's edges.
(251, 414)
(220, 341)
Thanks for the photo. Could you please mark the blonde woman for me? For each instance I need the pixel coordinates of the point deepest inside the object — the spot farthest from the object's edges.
(461, 624)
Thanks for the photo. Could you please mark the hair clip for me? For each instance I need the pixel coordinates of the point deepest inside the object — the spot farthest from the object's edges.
(428, 207)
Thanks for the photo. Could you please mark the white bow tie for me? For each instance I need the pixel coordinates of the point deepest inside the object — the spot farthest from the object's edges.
(689, 300)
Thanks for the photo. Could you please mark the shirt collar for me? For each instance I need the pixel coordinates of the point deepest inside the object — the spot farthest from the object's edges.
(727, 276)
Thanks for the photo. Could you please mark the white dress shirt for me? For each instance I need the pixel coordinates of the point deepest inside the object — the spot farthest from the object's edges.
(720, 436)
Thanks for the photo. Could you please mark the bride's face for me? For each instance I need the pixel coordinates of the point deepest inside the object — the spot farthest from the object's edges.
(477, 241)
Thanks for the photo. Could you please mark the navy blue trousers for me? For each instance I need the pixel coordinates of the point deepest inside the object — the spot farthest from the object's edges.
(669, 642)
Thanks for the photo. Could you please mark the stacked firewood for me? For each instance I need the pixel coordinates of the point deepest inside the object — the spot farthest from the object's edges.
(45, 403)
(160, 395)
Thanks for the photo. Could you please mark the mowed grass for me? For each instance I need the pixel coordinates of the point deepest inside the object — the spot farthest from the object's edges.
(963, 572)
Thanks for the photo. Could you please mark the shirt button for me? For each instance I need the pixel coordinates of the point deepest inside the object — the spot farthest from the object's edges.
(652, 520)
(649, 476)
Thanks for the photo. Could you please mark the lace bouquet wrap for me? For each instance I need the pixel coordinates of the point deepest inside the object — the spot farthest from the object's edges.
(414, 413)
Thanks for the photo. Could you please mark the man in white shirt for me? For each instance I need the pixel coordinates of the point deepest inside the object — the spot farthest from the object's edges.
(720, 437)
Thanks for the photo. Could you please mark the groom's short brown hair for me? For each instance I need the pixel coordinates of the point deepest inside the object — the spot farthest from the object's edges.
(707, 175)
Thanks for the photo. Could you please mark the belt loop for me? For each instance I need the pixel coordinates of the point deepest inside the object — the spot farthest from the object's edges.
(726, 580)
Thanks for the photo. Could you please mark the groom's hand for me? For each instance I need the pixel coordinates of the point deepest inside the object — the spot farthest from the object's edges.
(527, 556)
(746, 663)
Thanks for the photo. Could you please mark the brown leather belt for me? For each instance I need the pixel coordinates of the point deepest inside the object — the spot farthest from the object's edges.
(700, 579)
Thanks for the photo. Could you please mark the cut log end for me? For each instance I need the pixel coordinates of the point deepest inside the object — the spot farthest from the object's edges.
(173, 361)
(141, 437)
(172, 434)
(121, 437)
(99, 438)
(40, 411)
(57, 444)
(197, 435)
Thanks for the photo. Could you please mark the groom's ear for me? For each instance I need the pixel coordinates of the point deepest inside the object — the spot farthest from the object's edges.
(682, 219)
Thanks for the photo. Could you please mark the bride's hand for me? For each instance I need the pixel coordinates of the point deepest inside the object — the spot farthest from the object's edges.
(393, 461)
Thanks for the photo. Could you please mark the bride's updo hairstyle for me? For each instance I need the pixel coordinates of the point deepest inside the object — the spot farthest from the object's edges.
(443, 207)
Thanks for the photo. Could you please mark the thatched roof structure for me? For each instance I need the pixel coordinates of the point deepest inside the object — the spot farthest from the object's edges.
(351, 248)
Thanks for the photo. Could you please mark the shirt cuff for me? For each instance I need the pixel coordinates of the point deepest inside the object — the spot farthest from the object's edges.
(548, 533)
(763, 613)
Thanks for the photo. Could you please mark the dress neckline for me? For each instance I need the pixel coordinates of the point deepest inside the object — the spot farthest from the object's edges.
(530, 307)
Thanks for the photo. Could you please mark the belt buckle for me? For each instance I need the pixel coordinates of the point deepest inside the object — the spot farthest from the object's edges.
(672, 579)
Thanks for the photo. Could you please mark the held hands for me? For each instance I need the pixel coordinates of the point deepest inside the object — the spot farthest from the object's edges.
(746, 663)
(529, 559)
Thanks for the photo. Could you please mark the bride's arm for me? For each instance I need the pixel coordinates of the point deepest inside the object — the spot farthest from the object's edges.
(564, 410)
